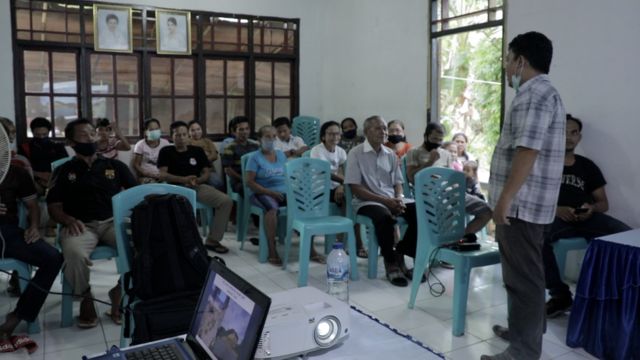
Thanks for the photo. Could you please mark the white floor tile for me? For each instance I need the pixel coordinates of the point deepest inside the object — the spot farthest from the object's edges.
(473, 351)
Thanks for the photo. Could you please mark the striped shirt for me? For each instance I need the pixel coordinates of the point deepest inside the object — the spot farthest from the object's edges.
(536, 120)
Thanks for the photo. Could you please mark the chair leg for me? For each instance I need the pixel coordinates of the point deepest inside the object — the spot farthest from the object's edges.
(263, 241)
(460, 293)
(244, 228)
(67, 304)
(287, 248)
(305, 251)
(329, 240)
(353, 254)
(373, 255)
(419, 266)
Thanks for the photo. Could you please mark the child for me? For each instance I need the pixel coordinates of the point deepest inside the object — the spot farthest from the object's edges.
(470, 169)
(453, 149)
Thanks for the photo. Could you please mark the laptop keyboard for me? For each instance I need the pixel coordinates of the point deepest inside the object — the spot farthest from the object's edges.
(163, 352)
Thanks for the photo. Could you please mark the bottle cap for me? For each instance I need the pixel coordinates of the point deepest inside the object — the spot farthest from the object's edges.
(338, 245)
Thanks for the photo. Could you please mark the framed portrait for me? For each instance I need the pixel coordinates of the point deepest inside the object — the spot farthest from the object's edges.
(112, 28)
(173, 32)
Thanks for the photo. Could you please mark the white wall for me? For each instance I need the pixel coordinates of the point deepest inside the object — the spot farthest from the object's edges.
(6, 62)
(595, 69)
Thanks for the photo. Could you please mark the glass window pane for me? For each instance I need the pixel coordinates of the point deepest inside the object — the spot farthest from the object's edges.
(64, 73)
(263, 112)
(183, 76)
(128, 116)
(282, 81)
(282, 107)
(225, 34)
(55, 21)
(161, 110)
(127, 74)
(263, 78)
(215, 116)
(65, 110)
(24, 35)
(235, 107)
(160, 76)
(235, 77)
(184, 110)
(73, 23)
(38, 18)
(103, 107)
(37, 106)
(36, 71)
(52, 37)
(22, 19)
(101, 74)
(214, 72)
(22, 4)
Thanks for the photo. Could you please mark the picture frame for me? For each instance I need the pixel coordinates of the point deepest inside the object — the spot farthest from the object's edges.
(173, 32)
(112, 28)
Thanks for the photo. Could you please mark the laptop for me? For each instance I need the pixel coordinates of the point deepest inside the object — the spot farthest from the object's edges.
(226, 325)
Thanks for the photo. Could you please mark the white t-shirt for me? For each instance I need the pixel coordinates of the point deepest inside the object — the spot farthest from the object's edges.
(149, 155)
(294, 143)
(336, 158)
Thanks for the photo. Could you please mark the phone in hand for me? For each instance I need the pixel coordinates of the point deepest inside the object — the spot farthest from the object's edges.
(579, 211)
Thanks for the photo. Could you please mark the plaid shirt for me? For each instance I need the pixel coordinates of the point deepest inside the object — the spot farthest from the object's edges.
(536, 120)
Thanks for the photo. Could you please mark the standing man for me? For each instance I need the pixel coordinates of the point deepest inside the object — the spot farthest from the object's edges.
(526, 172)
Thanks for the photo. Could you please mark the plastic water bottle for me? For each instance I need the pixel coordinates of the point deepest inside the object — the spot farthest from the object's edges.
(338, 273)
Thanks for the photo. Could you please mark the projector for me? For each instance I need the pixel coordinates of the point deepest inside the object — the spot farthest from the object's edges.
(300, 321)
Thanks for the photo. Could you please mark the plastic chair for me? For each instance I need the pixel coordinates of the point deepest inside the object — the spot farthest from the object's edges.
(122, 204)
(440, 210)
(306, 154)
(308, 189)
(406, 187)
(250, 209)
(563, 246)
(204, 214)
(59, 162)
(308, 128)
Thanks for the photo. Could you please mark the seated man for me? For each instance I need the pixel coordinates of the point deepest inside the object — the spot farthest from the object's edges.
(25, 245)
(41, 152)
(187, 165)
(234, 150)
(582, 204)
(376, 182)
(431, 154)
(291, 146)
(79, 198)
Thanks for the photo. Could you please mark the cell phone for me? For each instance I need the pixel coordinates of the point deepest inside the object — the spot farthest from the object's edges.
(580, 210)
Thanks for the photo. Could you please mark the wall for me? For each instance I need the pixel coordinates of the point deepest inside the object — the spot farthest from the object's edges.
(595, 69)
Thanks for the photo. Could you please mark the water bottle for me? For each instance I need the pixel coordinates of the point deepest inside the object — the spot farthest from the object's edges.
(338, 273)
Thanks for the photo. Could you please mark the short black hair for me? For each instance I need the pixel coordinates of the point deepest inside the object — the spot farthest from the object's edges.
(325, 126)
(149, 121)
(40, 122)
(535, 47)
(70, 129)
(466, 139)
(347, 119)
(233, 124)
(172, 20)
(432, 126)
(177, 124)
(112, 17)
(193, 122)
(578, 121)
(281, 121)
(102, 122)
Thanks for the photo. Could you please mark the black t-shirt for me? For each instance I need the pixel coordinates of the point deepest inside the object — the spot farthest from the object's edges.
(579, 181)
(185, 163)
(41, 153)
(85, 191)
(15, 186)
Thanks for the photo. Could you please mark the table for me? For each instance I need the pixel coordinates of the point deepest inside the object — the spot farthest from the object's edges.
(605, 318)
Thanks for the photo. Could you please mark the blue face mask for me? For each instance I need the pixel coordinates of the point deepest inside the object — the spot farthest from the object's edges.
(153, 135)
(267, 145)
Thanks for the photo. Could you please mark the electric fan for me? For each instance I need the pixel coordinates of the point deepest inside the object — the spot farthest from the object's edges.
(5, 153)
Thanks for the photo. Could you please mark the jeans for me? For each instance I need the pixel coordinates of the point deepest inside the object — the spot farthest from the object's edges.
(597, 225)
(48, 260)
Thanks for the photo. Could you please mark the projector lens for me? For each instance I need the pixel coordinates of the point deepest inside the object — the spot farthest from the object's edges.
(327, 331)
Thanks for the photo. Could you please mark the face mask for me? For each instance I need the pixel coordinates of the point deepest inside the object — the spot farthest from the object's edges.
(349, 134)
(41, 141)
(430, 146)
(85, 149)
(394, 139)
(154, 134)
(267, 145)
(515, 79)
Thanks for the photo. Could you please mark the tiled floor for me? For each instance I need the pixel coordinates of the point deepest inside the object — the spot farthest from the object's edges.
(429, 322)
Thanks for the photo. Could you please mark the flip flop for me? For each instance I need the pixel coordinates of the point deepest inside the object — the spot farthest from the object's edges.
(217, 248)
(23, 341)
(275, 261)
(6, 346)
(116, 319)
(396, 278)
(362, 253)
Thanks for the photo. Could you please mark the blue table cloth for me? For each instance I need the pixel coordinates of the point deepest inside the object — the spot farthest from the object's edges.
(605, 317)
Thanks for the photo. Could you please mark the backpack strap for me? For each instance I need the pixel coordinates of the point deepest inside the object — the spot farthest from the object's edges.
(174, 262)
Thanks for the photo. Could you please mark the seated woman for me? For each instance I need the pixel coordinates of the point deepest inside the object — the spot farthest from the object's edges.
(329, 150)
(110, 139)
(462, 141)
(350, 137)
(397, 141)
(265, 175)
(145, 153)
(197, 139)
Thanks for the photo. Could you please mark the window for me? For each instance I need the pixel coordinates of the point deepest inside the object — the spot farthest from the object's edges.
(240, 65)
(466, 72)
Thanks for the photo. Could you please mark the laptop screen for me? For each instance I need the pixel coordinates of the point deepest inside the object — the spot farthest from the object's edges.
(230, 315)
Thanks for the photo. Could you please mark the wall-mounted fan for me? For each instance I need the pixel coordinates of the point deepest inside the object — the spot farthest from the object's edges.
(5, 153)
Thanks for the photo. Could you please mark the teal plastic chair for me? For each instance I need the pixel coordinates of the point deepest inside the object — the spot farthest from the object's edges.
(308, 128)
(308, 191)
(204, 215)
(250, 209)
(123, 203)
(99, 253)
(563, 246)
(406, 187)
(306, 154)
(440, 210)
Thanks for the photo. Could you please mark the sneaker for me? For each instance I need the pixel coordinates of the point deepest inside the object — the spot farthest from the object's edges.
(558, 306)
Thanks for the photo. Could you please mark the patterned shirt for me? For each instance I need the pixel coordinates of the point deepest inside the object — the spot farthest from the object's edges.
(536, 120)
